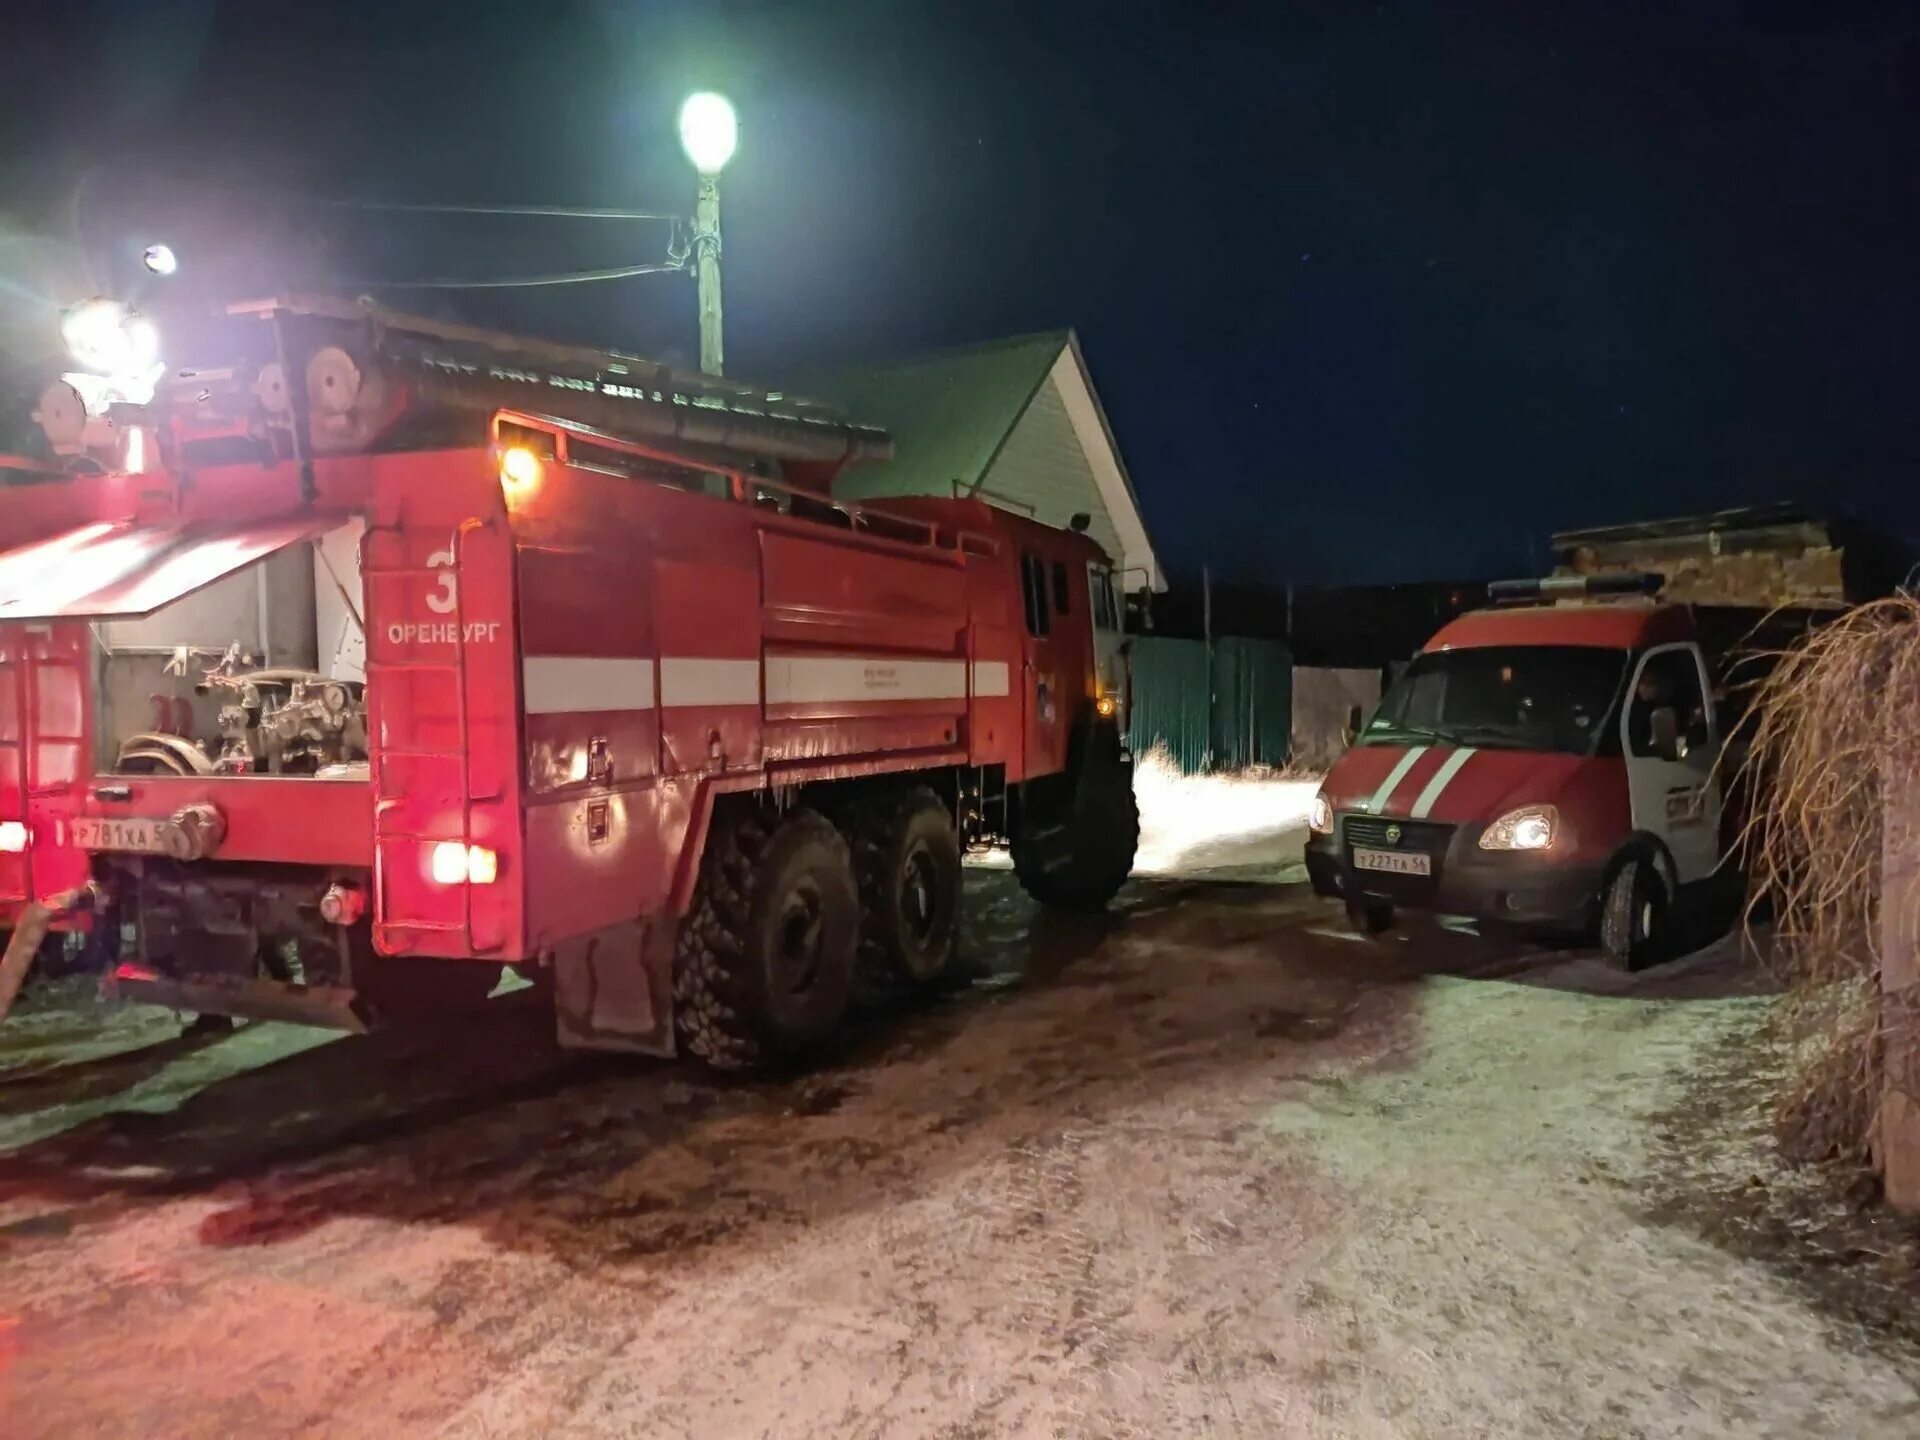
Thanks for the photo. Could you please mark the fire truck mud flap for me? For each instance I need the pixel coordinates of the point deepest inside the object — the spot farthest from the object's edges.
(330, 1007)
(613, 990)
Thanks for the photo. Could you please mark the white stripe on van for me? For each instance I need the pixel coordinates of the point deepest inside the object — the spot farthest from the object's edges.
(1395, 776)
(1436, 787)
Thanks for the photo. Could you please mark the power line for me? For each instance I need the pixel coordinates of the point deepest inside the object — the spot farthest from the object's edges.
(562, 212)
(520, 282)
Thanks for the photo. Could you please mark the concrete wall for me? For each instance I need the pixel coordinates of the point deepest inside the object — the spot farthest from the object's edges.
(1321, 700)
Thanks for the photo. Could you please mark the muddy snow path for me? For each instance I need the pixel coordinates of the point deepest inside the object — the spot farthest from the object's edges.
(1206, 1167)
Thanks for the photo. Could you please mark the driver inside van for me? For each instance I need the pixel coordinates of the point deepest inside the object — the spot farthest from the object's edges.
(1649, 694)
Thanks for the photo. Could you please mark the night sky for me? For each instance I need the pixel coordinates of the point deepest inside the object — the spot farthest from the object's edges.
(1372, 292)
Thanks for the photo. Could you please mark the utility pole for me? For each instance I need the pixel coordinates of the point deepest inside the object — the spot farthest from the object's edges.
(706, 269)
(708, 133)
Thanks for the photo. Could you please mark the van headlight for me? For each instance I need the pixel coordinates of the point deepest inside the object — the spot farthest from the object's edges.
(1531, 827)
(1320, 815)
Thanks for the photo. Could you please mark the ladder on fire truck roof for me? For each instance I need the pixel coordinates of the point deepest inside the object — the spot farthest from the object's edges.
(444, 366)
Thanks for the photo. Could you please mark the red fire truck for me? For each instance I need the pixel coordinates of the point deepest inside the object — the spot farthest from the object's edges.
(402, 652)
(1548, 763)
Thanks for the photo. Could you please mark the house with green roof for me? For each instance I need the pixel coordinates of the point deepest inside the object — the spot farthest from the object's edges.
(1015, 422)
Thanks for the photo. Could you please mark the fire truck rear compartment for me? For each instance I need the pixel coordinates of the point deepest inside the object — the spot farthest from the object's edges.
(225, 706)
(260, 672)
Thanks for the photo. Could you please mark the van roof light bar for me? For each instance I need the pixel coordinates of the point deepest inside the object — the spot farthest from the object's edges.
(1574, 587)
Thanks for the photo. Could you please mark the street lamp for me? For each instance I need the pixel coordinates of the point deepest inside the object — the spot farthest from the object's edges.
(709, 131)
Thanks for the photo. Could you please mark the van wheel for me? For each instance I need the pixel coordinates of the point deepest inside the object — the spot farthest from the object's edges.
(1633, 916)
(766, 955)
(906, 858)
(1371, 918)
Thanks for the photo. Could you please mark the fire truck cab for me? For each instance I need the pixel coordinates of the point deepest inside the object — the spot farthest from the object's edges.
(410, 652)
(1548, 763)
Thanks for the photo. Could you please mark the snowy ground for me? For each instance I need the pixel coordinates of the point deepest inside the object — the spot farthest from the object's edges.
(1206, 1167)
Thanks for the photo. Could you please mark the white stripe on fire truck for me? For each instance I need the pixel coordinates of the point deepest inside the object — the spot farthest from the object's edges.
(990, 678)
(1394, 777)
(557, 684)
(1436, 787)
(688, 680)
(560, 684)
(810, 679)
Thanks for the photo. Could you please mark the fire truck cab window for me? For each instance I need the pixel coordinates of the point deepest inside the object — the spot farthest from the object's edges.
(1106, 610)
(1033, 589)
(1060, 606)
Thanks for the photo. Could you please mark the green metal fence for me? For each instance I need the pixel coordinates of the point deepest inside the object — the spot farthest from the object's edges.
(1242, 716)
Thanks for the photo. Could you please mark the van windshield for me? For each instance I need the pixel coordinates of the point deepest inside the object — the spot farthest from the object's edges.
(1518, 697)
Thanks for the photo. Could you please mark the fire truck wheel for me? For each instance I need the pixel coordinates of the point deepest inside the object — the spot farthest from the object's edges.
(906, 858)
(1077, 856)
(1633, 916)
(766, 957)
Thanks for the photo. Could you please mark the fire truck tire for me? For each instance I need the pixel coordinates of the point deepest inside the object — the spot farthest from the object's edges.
(906, 860)
(765, 966)
(1076, 857)
(1633, 916)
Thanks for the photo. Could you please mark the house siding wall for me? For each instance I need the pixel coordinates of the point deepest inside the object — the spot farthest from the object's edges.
(1042, 465)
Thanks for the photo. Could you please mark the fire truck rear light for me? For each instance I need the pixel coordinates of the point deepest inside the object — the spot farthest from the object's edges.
(457, 864)
(13, 837)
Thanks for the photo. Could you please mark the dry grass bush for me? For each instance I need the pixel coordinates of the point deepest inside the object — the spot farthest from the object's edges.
(1838, 730)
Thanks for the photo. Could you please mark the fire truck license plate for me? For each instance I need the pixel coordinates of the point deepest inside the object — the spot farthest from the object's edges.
(140, 837)
(1393, 862)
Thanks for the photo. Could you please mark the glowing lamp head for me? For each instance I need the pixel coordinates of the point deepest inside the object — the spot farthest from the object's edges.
(159, 259)
(709, 131)
(1106, 707)
(519, 468)
(13, 837)
(107, 338)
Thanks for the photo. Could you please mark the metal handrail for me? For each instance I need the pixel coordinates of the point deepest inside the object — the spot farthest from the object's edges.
(561, 431)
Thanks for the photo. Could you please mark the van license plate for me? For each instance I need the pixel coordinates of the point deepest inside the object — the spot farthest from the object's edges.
(1393, 862)
(138, 837)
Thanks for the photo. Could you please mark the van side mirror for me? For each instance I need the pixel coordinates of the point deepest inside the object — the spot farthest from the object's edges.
(1664, 724)
(1351, 731)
